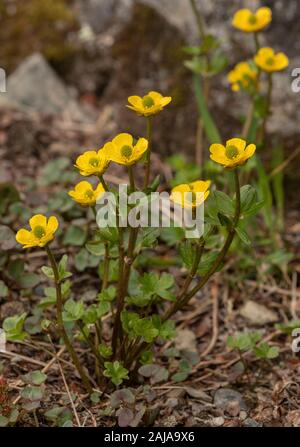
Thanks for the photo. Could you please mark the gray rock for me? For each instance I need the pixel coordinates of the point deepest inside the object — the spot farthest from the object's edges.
(225, 398)
(257, 314)
(35, 87)
(186, 340)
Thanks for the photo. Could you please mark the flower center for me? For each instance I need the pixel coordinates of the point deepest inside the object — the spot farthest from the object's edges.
(39, 231)
(94, 162)
(231, 152)
(89, 194)
(270, 61)
(126, 151)
(252, 19)
(148, 102)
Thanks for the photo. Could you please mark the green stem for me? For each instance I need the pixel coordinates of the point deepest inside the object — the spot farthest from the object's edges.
(103, 183)
(199, 20)
(131, 178)
(148, 155)
(60, 323)
(123, 287)
(268, 108)
(106, 266)
(256, 42)
(180, 304)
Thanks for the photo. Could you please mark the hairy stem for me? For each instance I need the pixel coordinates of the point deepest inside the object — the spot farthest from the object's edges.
(60, 323)
(231, 233)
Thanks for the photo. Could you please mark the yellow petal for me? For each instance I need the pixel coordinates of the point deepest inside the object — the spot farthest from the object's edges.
(99, 191)
(264, 15)
(38, 220)
(52, 225)
(82, 187)
(249, 151)
(141, 147)
(241, 17)
(123, 139)
(136, 101)
(157, 97)
(201, 185)
(45, 239)
(238, 143)
(281, 61)
(166, 100)
(25, 237)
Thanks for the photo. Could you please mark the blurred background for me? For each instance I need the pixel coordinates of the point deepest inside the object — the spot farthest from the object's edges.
(71, 64)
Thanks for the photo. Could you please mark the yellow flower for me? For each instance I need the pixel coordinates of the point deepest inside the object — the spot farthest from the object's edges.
(234, 154)
(93, 162)
(42, 231)
(151, 104)
(249, 22)
(123, 151)
(267, 60)
(191, 195)
(242, 76)
(85, 195)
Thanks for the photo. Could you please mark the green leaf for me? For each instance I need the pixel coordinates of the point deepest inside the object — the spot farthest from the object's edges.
(105, 351)
(116, 372)
(243, 341)
(75, 236)
(47, 272)
(8, 195)
(53, 170)
(144, 328)
(3, 290)
(32, 393)
(146, 357)
(73, 310)
(62, 268)
(242, 235)
(29, 280)
(7, 238)
(34, 378)
(172, 235)
(13, 327)
(266, 194)
(279, 258)
(248, 197)
(103, 308)
(278, 184)
(206, 263)
(265, 351)
(167, 330)
(210, 127)
(81, 260)
(224, 203)
(108, 294)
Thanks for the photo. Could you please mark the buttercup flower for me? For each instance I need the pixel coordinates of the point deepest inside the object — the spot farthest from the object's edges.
(249, 22)
(242, 76)
(267, 60)
(85, 195)
(93, 162)
(236, 153)
(42, 231)
(186, 195)
(123, 151)
(151, 104)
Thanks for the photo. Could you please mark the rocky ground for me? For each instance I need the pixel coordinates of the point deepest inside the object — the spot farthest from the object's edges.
(55, 109)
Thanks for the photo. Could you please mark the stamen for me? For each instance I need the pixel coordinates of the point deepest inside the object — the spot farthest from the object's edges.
(231, 152)
(126, 151)
(39, 231)
(148, 102)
